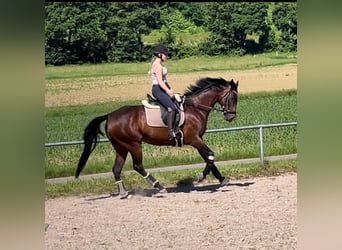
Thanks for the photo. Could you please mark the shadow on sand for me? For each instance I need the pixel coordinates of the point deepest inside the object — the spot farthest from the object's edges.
(189, 184)
(186, 185)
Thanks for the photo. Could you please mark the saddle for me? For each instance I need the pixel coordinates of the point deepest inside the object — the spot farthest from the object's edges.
(156, 114)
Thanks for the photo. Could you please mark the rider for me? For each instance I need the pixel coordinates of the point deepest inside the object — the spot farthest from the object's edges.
(160, 87)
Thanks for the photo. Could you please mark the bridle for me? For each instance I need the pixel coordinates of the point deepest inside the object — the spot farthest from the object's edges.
(222, 109)
(225, 108)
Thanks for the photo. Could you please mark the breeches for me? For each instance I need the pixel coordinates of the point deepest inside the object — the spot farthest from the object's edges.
(163, 97)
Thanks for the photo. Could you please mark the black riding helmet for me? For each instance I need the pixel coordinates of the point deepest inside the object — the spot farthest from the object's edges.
(160, 49)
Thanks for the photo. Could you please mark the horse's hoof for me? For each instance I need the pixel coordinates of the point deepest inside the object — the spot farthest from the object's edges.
(162, 191)
(201, 177)
(124, 195)
(224, 182)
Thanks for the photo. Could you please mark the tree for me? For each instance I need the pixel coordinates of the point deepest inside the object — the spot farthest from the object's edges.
(128, 22)
(74, 32)
(77, 32)
(249, 19)
(95, 32)
(230, 23)
(285, 20)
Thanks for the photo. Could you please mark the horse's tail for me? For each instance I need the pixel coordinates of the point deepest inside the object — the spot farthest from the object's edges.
(90, 137)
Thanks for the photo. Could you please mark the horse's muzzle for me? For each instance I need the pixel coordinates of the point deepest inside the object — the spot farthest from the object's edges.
(229, 116)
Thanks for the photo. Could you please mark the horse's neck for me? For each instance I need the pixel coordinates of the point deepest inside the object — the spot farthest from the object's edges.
(206, 98)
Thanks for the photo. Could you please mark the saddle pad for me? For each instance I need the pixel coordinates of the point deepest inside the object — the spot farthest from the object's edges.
(148, 105)
(153, 117)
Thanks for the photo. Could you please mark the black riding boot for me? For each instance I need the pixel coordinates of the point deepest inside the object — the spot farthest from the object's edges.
(171, 114)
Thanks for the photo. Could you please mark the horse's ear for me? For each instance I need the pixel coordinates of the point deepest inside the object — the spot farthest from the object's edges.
(236, 83)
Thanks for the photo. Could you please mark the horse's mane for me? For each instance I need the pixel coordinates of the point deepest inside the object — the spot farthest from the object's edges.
(206, 83)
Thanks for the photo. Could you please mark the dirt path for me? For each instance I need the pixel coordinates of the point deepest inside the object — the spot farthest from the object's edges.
(118, 88)
(255, 213)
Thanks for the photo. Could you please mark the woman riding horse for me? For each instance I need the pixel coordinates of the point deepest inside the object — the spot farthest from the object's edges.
(126, 129)
(161, 90)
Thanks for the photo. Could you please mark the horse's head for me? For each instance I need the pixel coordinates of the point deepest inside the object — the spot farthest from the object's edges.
(228, 100)
(208, 91)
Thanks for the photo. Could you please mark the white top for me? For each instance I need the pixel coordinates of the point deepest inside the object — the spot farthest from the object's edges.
(154, 77)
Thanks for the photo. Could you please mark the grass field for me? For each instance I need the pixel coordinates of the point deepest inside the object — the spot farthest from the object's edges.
(186, 65)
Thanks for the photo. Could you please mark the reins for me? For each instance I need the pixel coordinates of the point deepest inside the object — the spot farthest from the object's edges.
(196, 105)
(203, 107)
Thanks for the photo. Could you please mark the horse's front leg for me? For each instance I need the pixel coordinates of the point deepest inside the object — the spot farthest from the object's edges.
(138, 166)
(154, 182)
(208, 156)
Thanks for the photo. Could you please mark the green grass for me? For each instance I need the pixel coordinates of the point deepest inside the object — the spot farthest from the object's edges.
(203, 63)
(167, 179)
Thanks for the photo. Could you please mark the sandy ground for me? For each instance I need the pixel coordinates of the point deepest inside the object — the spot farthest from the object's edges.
(254, 213)
(118, 88)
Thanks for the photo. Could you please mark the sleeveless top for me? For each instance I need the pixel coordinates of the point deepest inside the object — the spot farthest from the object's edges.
(154, 77)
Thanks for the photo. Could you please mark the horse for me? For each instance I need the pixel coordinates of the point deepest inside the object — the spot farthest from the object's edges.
(126, 129)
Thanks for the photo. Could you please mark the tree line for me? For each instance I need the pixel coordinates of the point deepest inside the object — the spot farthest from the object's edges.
(98, 32)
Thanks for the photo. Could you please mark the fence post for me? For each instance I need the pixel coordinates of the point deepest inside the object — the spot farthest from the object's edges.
(261, 146)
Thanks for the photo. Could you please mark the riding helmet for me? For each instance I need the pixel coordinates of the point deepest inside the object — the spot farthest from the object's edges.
(160, 49)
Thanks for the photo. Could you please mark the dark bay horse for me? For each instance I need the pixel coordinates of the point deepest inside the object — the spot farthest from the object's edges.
(126, 129)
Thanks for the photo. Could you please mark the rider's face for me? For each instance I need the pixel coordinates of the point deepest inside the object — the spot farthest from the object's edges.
(164, 57)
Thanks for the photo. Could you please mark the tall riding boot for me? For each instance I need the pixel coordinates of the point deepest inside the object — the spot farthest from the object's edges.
(170, 123)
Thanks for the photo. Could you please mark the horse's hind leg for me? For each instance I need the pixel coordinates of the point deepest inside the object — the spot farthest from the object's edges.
(117, 168)
(138, 166)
